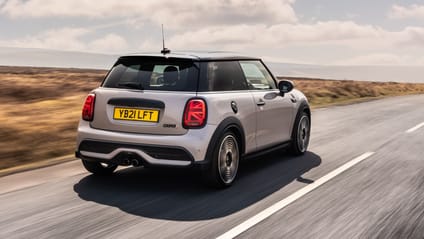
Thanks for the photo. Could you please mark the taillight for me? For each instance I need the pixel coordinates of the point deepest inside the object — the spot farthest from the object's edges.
(88, 108)
(195, 114)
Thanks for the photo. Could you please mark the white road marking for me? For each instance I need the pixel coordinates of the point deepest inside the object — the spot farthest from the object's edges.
(415, 128)
(290, 199)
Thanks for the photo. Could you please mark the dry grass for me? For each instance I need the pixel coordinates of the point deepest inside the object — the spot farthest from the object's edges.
(41, 107)
(40, 111)
(329, 92)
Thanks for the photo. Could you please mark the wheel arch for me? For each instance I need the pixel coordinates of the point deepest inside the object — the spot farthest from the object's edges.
(232, 124)
(307, 110)
(303, 107)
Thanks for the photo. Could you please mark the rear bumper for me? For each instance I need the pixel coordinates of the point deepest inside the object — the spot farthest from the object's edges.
(125, 154)
(154, 150)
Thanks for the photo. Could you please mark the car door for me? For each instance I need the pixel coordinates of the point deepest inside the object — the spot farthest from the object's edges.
(274, 113)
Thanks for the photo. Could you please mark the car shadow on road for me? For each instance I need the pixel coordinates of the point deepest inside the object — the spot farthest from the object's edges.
(180, 195)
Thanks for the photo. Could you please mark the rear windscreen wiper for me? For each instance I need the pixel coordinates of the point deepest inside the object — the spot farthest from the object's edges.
(132, 85)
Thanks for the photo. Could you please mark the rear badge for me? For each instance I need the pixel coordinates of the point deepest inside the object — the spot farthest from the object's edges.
(169, 125)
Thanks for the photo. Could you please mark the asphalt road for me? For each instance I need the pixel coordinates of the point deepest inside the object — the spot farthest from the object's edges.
(380, 197)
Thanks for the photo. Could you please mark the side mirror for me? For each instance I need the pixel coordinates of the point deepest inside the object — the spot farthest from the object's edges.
(285, 86)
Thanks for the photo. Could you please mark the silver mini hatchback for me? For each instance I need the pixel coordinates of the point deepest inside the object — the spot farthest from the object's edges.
(190, 109)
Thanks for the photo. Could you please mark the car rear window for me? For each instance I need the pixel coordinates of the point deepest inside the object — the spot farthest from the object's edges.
(153, 73)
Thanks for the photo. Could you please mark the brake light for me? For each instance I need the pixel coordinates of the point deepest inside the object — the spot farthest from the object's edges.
(194, 114)
(88, 108)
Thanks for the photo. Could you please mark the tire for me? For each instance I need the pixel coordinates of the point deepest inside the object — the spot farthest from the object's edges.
(301, 134)
(97, 168)
(224, 162)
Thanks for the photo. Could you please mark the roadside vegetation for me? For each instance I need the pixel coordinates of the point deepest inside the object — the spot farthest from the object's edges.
(322, 93)
(41, 107)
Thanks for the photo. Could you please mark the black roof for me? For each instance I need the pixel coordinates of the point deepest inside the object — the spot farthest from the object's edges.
(199, 56)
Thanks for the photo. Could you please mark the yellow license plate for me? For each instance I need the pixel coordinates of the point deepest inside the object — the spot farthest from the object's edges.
(136, 114)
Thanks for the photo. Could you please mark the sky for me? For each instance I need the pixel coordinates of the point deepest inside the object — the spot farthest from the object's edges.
(324, 32)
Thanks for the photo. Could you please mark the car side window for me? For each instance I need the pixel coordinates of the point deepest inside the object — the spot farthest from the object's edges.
(225, 76)
(257, 76)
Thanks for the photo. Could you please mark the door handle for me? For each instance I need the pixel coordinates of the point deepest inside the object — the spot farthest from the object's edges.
(260, 103)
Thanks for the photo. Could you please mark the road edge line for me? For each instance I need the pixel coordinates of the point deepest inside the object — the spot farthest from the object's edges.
(244, 226)
(415, 128)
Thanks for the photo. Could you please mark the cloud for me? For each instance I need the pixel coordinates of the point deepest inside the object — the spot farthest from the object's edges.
(375, 59)
(64, 38)
(265, 27)
(173, 13)
(109, 43)
(411, 37)
(74, 39)
(243, 36)
(403, 12)
(383, 59)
